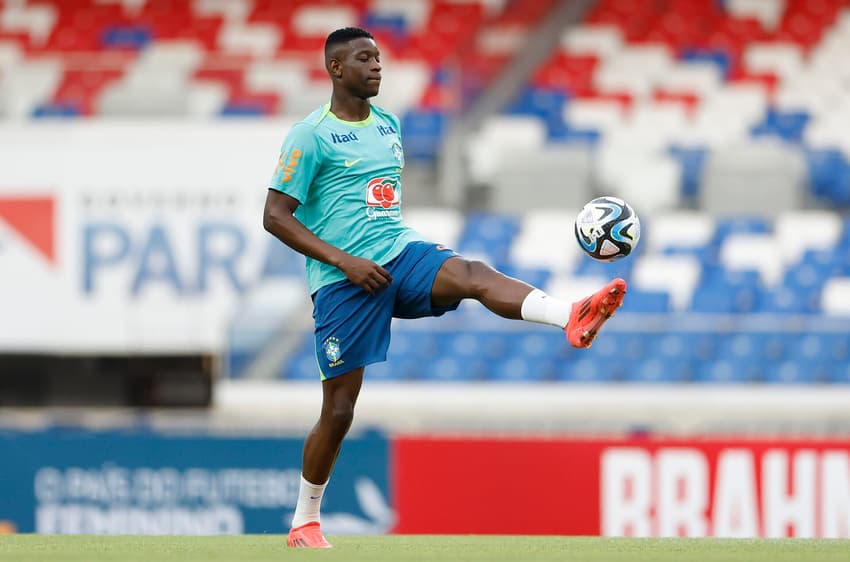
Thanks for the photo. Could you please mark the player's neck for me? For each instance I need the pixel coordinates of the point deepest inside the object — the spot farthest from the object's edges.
(350, 108)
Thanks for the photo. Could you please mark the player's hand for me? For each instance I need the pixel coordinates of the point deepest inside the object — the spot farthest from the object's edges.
(366, 274)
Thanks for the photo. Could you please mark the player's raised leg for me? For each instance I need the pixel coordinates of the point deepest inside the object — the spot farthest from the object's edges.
(459, 279)
(321, 448)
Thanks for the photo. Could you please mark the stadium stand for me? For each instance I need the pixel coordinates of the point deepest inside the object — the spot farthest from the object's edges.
(723, 123)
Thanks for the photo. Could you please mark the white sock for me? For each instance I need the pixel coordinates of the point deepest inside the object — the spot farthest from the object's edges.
(309, 502)
(540, 307)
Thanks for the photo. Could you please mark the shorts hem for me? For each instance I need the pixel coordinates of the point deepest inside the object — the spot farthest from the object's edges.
(329, 374)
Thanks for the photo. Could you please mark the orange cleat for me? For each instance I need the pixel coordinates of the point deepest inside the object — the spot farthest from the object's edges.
(588, 315)
(308, 535)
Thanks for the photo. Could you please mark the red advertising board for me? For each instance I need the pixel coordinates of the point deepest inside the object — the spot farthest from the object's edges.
(621, 487)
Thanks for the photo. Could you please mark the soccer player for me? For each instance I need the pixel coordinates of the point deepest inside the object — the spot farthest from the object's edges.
(336, 198)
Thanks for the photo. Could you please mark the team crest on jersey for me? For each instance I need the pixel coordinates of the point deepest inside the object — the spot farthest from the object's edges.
(398, 153)
(332, 352)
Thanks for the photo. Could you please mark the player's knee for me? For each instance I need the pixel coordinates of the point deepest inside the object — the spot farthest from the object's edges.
(477, 277)
(341, 418)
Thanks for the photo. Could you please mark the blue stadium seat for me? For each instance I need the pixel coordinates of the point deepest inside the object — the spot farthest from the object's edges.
(489, 234)
(608, 269)
(691, 160)
(616, 347)
(56, 110)
(715, 299)
(541, 102)
(395, 24)
(719, 57)
(655, 370)
(527, 369)
(588, 370)
(672, 346)
(838, 192)
(395, 369)
(739, 225)
(787, 125)
(537, 344)
(647, 301)
(302, 366)
(782, 300)
(839, 372)
(824, 166)
(816, 347)
(454, 369)
(473, 345)
(414, 344)
(727, 371)
(423, 130)
(793, 372)
(572, 135)
(125, 37)
(726, 291)
(243, 109)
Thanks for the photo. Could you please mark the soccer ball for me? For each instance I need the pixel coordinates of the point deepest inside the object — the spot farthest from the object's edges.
(607, 229)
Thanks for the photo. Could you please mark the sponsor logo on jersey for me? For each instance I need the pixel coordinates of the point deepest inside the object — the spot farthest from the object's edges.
(347, 137)
(384, 131)
(286, 167)
(382, 198)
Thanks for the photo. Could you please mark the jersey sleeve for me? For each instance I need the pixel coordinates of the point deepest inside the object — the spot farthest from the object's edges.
(298, 164)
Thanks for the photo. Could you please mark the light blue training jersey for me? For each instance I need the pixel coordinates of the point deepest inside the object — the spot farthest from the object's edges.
(347, 177)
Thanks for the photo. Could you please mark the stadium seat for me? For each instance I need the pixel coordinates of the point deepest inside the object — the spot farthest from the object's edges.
(728, 371)
(521, 370)
(589, 371)
(676, 275)
(653, 370)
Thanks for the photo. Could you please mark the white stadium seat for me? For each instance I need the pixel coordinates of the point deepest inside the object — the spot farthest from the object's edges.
(785, 60)
(571, 288)
(600, 114)
(768, 12)
(676, 275)
(259, 39)
(534, 247)
(680, 229)
(321, 20)
(835, 298)
(754, 252)
(596, 40)
(799, 231)
(439, 224)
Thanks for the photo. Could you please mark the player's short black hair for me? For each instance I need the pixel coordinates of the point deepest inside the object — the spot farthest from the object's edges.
(344, 35)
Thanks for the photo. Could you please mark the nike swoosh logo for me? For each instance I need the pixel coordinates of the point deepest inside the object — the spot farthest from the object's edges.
(314, 497)
(351, 163)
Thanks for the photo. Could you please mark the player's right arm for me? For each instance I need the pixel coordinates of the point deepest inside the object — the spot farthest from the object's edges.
(297, 167)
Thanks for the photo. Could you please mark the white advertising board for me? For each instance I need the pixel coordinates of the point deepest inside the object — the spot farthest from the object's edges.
(130, 236)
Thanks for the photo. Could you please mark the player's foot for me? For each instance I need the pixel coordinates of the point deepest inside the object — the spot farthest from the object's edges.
(588, 314)
(308, 535)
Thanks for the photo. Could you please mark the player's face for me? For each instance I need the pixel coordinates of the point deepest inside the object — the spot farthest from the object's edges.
(361, 68)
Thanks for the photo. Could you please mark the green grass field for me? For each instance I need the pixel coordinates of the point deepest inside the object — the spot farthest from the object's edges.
(255, 548)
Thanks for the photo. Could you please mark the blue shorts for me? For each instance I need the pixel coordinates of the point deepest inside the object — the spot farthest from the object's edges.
(353, 327)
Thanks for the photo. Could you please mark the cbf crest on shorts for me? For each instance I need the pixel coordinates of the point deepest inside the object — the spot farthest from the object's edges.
(332, 352)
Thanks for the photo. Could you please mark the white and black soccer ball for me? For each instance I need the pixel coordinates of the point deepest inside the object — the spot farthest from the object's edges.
(607, 229)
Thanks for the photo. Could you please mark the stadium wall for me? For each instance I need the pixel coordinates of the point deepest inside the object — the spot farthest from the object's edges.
(149, 482)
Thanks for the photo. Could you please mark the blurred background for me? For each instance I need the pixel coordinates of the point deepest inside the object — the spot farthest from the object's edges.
(157, 370)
